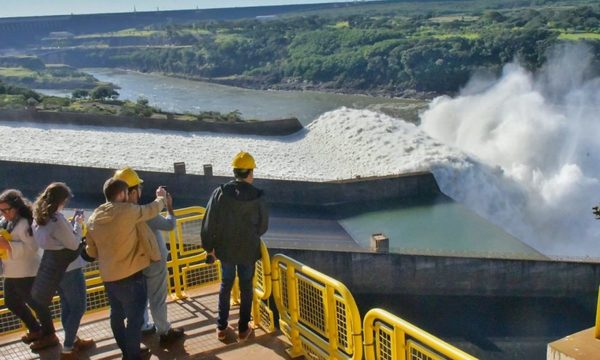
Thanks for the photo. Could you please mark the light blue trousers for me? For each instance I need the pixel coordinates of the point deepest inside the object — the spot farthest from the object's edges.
(156, 283)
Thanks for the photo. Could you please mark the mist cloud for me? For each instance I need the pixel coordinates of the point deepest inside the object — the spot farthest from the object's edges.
(537, 135)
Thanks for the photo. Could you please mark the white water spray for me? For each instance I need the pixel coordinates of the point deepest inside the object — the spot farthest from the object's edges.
(539, 136)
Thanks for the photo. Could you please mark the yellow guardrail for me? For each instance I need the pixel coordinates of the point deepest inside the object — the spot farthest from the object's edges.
(386, 336)
(317, 313)
(187, 264)
(597, 328)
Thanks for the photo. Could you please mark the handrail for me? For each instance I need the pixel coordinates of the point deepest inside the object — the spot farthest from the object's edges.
(395, 345)
(597, 327)
(317, 313)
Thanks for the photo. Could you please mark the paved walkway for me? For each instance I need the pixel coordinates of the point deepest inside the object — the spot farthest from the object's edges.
(197, 314)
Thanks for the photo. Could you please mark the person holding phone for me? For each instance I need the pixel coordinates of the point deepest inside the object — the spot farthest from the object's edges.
(61, 241)
(156, 273)
(122, 253)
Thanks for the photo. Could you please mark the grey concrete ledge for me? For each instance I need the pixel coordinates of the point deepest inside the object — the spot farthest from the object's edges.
(268, 128)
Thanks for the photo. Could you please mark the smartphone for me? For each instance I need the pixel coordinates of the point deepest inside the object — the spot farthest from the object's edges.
(76, 213)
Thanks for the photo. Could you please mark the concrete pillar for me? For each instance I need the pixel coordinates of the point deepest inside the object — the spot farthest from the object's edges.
(579, 346)
(208, 170)
(179, 168)
(380, 243)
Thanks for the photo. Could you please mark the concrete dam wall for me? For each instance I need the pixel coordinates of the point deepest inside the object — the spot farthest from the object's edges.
(399, 274)
(86, 183)
(268, 128)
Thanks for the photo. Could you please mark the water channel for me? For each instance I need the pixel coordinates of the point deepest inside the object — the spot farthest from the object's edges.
(181, 95)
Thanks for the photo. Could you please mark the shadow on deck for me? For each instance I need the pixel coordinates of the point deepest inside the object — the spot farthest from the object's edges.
(197, 314)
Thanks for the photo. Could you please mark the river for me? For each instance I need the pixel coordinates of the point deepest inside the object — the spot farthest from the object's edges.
(181, 95)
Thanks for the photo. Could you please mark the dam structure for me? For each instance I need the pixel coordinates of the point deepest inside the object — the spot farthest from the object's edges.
(447, 270)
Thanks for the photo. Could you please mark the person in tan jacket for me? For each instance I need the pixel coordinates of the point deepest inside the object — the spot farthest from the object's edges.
(122, 254)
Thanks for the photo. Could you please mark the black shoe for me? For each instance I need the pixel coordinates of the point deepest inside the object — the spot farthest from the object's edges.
(170, 336)
(149, 331)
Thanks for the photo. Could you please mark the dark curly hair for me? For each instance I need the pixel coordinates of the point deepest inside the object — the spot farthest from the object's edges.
(47, 203)
(15, 199)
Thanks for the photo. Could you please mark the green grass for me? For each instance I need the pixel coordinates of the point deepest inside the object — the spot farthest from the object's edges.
(12, 101)
(579, 36)
(122, 33)
(469, 36)
(17, 72)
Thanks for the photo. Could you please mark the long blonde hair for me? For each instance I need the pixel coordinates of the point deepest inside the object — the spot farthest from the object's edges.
(47, 203)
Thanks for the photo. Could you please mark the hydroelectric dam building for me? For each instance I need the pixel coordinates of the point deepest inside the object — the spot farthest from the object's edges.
(447, 270)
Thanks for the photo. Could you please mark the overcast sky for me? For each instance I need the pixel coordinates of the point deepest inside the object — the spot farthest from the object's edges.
(12, 8)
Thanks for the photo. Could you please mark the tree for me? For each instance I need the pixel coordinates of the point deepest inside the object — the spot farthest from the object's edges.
(80, 94)
(104, 92)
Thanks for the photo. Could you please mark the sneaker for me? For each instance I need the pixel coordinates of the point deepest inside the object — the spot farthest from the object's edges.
(69, 355)
(170, 336)
(81, 344)
(148, 329)
(44, 342)
(244, 335)
(221, 334)
(30, 337)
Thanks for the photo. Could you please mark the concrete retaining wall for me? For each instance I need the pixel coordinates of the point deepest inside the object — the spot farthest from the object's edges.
(397, 274)
(271, 127)
(86, 183)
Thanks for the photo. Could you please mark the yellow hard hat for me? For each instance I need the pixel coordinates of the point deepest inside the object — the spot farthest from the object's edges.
(243, 160)
(129, 176)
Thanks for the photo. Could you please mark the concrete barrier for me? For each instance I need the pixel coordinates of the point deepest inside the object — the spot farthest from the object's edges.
(270, 127)
(86, 183)
(401, 274)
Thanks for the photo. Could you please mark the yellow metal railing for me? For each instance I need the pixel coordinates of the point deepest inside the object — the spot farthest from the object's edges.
(387, 337)
(597, 328)
(187, 264)
(317, 313)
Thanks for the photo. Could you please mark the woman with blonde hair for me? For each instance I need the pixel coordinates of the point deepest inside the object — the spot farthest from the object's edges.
(21, 261)
(61, 266)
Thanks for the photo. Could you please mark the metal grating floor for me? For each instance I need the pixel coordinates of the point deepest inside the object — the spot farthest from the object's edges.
(197, 314)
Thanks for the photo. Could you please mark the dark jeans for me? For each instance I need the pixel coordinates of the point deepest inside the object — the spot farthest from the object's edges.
(127, 298)
(72, 304)
(17, 295)
(245, 273)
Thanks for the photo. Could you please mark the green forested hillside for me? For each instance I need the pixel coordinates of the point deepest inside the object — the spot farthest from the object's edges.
(392, 48)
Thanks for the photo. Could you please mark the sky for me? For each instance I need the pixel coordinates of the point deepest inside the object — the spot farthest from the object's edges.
(15, 8)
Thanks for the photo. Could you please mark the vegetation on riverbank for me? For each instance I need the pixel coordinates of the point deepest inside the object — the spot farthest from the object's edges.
(102, 100)
(396, 48)
(31, 72)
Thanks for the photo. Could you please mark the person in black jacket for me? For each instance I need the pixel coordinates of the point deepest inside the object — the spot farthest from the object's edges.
(236, 216)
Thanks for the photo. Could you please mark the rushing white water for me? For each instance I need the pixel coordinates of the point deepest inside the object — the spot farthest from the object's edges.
(538, 136)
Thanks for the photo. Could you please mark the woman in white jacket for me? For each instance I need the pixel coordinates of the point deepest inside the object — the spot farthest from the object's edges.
(61, 240)
(20, 265)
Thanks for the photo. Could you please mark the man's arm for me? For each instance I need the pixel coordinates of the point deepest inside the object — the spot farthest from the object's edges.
(164, 223)
(210, 222)
(91, 248)
(263, 213)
